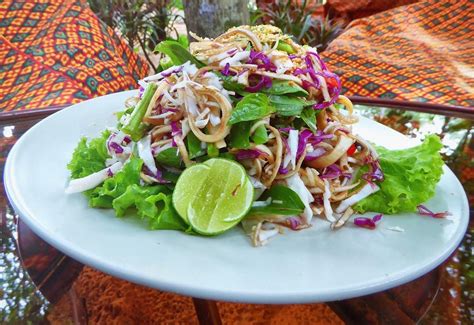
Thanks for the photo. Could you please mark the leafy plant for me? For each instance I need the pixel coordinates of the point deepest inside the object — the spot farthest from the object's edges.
(296, 18)
(144, 23)
(323, 32)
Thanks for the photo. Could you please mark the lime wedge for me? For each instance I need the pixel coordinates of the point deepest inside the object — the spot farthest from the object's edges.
(213, 196)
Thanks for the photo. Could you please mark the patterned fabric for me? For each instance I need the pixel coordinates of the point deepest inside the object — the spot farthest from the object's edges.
(55, 53)
(364, 8)
(421, 52)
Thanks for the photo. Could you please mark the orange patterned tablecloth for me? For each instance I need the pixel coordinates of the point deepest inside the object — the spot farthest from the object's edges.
(420, 52)
(54, 53)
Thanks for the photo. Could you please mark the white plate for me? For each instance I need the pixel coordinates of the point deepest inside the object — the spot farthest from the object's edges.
(307, 266)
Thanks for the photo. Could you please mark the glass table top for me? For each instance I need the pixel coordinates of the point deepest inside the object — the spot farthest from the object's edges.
(21, 302)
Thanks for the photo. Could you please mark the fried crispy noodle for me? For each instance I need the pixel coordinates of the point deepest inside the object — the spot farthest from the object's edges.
(241, 32)
(183, 151)
(342, 220)
(295, 170)
(223, 130)
(343, 144)
(278, 147)
(262, 229)
(310, 177)
(280, 76)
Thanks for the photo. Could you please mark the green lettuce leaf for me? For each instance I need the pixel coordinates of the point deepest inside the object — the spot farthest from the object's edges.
(102, 196)
(152, 203)
(89, 158)
(161, 213)
(133, 196)
(411, 176)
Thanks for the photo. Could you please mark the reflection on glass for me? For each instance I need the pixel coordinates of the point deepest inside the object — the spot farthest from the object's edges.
(20, 302)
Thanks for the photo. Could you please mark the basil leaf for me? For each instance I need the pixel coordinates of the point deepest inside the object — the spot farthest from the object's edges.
(284, 87)
(260, 136)
(170, 177)
(169, 157)
(240, 135)
(227, 155)
(212, 150)
(166, 63)
(287, 202)
(309, 117)
(177, 53)
(230, 84)
(194, 146)
(251, 107)
(288, 106)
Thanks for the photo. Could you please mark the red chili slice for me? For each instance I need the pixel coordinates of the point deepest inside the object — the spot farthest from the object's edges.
(351, 150)
(331, 82)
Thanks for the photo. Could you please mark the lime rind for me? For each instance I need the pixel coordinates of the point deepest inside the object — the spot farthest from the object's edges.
(215, 198)
(181, 190)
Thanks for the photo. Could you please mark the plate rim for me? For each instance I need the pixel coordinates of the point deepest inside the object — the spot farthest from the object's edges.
(221, 294)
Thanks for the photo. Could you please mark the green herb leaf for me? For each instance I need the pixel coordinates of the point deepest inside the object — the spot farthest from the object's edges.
(288, 106)
(260, 136)
(212, 150)
(229, 84)
(166, 62)
(308, 115)
(177, 53)
(135, 127)
(227, 155)
(239, 136)
(251, 107)
(287, 202)
(194, 146)
(170, 177)
(284, 87)
(169, 157)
